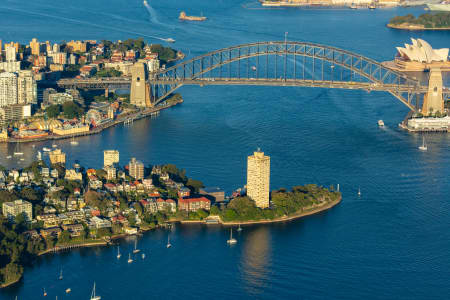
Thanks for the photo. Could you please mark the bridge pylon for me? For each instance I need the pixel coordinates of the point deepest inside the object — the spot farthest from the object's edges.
(433, 100)
(140, 94)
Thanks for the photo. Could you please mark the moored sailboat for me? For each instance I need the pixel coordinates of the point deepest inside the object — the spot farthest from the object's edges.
(93, 296)
(231, 240)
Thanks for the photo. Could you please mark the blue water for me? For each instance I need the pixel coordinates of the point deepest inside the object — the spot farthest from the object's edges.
(391, 243)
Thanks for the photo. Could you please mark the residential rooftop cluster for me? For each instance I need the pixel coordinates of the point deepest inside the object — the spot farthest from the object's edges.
(96, 202)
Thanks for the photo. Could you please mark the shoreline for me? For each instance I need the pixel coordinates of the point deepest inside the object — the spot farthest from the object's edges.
(140, 114)
(298, 215)
(104, 243)
(413, 27)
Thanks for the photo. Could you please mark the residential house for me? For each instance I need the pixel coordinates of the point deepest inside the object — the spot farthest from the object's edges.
(194, 204)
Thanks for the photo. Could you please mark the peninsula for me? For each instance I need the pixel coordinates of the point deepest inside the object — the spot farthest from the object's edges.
(428, 21)
(48, 207)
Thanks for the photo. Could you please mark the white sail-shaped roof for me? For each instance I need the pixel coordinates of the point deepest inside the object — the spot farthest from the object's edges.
(421, 51)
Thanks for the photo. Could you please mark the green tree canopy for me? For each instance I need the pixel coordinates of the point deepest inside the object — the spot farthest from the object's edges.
(71, 110)
(53, 111)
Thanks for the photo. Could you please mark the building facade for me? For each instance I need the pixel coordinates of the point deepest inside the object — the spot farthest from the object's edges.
(26, 88)
(136, 169)
(110, 157)
(57, 157)
(8, 89)
(13, 208)
(258, 178)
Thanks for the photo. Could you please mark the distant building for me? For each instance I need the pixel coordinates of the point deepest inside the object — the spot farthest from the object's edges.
(136, 169)
(13, 208)
(11, 53)
(57, 98)
(59, 58)
(10, 66)
(77, 46)
(26, 88)
(73, 175)
(35, 47)
(184, 192)
(258, 178)
(18, 88)
(110, 172)
(57, 157)
(110, 157)
(194, 204)
(214, 193)
(15, 112)
(8, 89)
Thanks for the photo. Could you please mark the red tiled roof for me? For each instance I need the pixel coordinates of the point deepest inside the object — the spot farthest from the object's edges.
(190, 200)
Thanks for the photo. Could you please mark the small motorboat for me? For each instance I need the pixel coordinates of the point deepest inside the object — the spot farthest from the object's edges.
(129, 259)
(68, 290)
(380, 123)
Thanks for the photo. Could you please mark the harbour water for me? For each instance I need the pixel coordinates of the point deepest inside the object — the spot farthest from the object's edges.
(391, 242)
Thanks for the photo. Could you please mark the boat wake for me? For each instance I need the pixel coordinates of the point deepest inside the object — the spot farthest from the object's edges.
(152, 13)
(84, 23)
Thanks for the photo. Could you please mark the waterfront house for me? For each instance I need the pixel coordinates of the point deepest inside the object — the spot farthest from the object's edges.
(53, 232)
(74, 229)
(161, 204)
(184, 192)
(171, 205)
(98, 223)
(32, 234)
(49, 220)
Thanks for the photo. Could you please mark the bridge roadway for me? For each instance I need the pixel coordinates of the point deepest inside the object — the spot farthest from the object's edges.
(125, 82)
(352, 85)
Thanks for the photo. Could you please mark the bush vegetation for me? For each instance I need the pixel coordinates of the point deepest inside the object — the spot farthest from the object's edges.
(428, 20)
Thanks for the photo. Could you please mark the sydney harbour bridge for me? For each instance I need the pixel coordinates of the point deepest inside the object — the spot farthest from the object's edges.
(278, 63)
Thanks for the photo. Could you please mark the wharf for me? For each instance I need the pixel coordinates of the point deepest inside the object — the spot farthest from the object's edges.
(140, 114)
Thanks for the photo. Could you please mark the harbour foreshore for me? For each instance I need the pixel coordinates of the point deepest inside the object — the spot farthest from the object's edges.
(304, 213)
(133, 116)
(414, 27)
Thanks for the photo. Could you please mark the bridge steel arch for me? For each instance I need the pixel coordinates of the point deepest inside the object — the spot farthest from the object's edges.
(301, 64)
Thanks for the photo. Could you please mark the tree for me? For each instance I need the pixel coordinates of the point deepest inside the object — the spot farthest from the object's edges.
(202, 214)
(29, 194)
(101, 174)
(64, 237)
(7, 196)
(20, 222)
(139, 208)
(215, 211)
(194, 185)
(71, 110)
(53, 111)
(11, 272)
(132, 219)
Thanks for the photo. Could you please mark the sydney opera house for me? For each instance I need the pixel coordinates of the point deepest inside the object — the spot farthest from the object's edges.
(420, 56)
